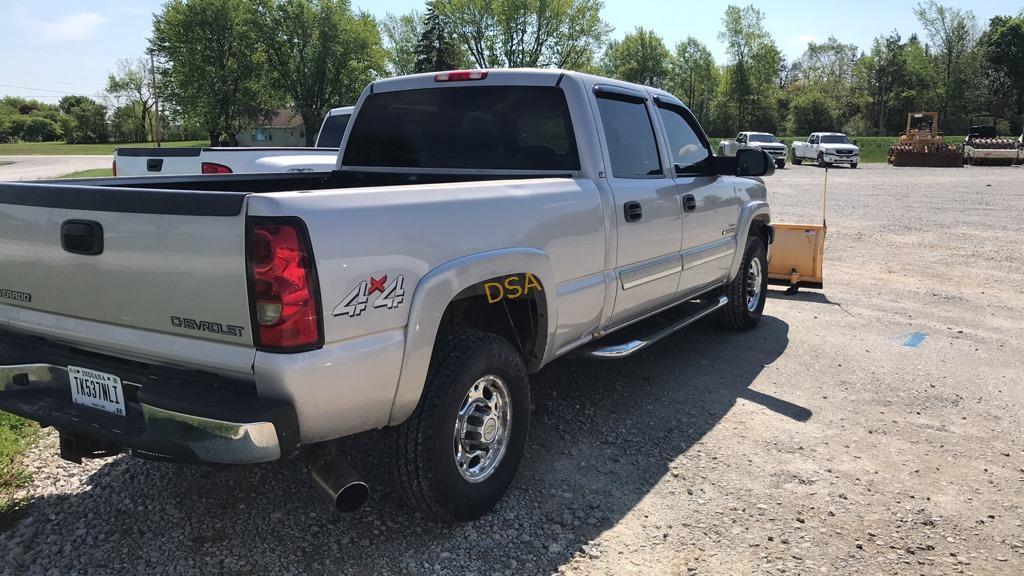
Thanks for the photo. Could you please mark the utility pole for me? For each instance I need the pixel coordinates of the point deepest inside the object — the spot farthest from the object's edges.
(156, 101)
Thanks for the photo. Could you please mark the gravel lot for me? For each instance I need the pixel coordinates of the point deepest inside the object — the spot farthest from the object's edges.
(819, 443)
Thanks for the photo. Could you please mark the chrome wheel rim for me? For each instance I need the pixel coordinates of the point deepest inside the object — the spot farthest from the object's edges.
(754, 274)
(482, 428)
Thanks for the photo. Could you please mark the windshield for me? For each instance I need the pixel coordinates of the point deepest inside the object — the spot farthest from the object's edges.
(332, 131)
(762, 138)
(467, 127)
(835, 139)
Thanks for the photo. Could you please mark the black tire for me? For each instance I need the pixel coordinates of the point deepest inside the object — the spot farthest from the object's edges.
(797, 160)
(853, 165)
(821, 161)
(737, 315)
(780, 164)
(424, 458)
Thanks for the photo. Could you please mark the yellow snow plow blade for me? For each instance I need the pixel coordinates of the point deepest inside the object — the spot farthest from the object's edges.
(797, 255)
(798, 252)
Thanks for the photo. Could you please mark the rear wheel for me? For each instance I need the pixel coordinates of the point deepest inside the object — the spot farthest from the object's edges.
(747, 291)
(459, 451)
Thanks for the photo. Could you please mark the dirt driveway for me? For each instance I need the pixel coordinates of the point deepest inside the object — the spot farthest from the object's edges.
(873, 428)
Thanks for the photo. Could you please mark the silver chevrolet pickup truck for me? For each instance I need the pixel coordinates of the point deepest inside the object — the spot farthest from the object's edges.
(477, 226)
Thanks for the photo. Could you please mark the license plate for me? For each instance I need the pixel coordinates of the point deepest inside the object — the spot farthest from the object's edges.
(96, 390)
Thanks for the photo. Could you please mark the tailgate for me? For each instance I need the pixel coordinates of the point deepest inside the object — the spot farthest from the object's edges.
(157, 161)
(153, 260)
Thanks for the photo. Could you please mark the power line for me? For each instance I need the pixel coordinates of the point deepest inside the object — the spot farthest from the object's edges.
(9, 79)
(64, 92)
(58, 51)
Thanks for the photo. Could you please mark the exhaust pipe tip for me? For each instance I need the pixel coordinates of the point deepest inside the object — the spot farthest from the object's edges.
(351, 497)
(339, 484)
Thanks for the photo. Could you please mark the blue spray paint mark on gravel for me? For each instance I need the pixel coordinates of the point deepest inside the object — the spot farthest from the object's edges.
(915, 339)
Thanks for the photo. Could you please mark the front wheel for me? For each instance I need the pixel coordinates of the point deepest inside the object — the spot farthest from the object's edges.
(853, 165)
(747, 291)
(821, 161)
(459, 451)
(780, 164)
(797, 160)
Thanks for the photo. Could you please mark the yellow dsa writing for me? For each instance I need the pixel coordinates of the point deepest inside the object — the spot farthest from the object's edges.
(513, 287)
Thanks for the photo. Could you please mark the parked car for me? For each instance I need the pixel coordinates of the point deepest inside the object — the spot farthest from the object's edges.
(760, 140)
(238, 160)
(827, 148)
(478, 226)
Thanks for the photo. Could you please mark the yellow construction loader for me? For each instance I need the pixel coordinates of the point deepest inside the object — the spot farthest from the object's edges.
(799, 251)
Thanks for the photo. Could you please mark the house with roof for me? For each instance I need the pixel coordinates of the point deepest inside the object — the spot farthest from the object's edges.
(285, 128)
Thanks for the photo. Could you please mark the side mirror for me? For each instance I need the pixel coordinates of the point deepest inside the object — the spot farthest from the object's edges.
(754, 162)
(855, 142)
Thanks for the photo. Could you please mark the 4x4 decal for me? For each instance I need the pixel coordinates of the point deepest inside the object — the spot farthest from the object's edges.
(390, 295)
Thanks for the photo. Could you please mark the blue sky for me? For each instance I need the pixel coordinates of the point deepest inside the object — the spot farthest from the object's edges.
(52, 47)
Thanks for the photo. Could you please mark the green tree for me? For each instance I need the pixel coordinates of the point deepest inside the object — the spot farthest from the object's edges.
(39, 129)
(6, 132)
(1002, 45)
(527, 33)
(952, 34)
(640, 57)
(211, 70)
(810, 112)
(321, 55)
(750, 89)
(401, 34)
(83, 120)
(131, 84)
(693, 76)
(886, 78)
(436, 50)
(828, 67)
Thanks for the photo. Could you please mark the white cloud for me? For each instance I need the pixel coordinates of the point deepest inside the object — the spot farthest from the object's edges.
(805, 38)
(71, 28)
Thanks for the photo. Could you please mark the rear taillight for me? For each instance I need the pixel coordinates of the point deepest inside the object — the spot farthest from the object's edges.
(214, 168)
(284, 296)
(460, 75)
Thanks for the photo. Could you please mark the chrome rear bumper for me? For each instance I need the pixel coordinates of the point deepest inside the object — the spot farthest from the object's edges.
(172, 414)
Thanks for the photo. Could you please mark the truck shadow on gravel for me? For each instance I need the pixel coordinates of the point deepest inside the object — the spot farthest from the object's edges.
(604, 435)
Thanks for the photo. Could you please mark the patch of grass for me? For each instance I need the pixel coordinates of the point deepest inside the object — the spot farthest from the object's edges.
(93, 173)
(50, 148)
(16, 435)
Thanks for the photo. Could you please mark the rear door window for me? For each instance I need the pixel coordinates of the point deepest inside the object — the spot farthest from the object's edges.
(632, 147)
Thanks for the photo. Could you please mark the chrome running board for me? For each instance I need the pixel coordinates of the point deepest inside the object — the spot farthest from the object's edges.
(619, 351)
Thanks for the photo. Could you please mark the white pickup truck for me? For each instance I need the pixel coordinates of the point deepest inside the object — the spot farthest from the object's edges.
(478, 226)
(237, 160)
(827, 149)
(760, 140)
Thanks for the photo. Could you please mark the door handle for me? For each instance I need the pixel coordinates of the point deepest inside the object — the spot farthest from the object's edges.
(689, 203)
(632, 211)
(82, 237)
